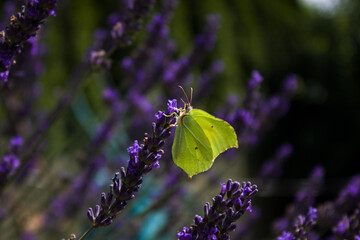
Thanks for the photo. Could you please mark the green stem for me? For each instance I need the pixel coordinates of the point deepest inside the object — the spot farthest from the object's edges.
(87, 233)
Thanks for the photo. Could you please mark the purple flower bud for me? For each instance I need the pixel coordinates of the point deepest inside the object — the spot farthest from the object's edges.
(255, 80)
(342, 226)
(10, 164)
(118, 30)
(290, 84)
(159, 115)
(312, 213)
(183, 235)
(127, 63)
(155, 165)
(286, 236)
(198, 219)
(157, 26)
(134, 149)
(110, 96)
(4, 76)
(90, 215)
(223, 189)
(15, 143)
(172, 106)
(99, 59)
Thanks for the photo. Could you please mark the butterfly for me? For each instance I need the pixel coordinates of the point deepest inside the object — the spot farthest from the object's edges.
(200, 138)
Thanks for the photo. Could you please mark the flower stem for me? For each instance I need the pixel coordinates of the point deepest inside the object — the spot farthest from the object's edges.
(87, 233)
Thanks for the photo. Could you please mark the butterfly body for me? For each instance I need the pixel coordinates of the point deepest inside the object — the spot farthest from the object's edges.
(199, 139)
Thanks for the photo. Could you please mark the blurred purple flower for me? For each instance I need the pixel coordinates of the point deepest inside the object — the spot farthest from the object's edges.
(22, 26)
(349, 226)
(302, 226)
(259, 113)
(286, 236)
(304, 199)
(255, 80)
(272, 168)
(10, 162)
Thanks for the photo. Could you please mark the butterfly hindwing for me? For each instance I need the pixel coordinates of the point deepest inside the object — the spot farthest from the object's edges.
(220, 134)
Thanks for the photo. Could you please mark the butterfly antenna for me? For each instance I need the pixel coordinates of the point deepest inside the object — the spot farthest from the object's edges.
(182, 89)
(183, 101)
(191, 95)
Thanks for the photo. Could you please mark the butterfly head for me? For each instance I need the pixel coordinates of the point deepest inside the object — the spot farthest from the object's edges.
(187, 104)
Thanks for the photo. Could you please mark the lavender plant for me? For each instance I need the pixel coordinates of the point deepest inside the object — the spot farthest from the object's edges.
(143, 158)
(304, 199)
(49, 178)
(22, 26)
(302, 226)
(10, 162)
(218, 221)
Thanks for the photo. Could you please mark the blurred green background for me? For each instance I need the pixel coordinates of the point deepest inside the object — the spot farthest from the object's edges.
(319, 43)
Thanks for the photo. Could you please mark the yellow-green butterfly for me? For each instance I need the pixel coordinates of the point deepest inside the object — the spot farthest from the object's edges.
(200, 138)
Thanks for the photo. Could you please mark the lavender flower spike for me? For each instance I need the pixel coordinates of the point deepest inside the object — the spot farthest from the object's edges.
(143, 158)
(302, 226)
(10, 162)
(286, 236)
(22, 26)
(232, 202)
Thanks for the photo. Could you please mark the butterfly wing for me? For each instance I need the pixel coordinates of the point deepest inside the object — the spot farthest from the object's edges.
(191, 149)
(220, 134)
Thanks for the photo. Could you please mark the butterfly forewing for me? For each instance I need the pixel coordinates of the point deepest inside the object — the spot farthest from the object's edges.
(192, 149)
(220, 134)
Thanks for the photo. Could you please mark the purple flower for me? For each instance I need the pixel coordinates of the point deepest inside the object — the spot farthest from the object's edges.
(158, 25)
(272, 168)
(286, 236)
(304, 224)
(183, 235)
(15, 143)
(304, 199)
(232, 202)
(143, 158)
(350, 194)
(110, 96)
(342, 226)
(9, 164)
(4, 75)
(349, 226)
(172, 106)
(99, 60)
(129, 21)
(134, 150)
(258, 113)
(290, 85)
(23, 25)
(127, 63)
(255, 80)
(159, 115)
(301, 228)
